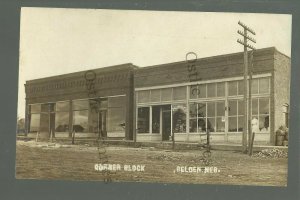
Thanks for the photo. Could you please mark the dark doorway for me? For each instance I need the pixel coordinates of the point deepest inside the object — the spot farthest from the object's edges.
(102, 123)
(166, 122)
(52, 124)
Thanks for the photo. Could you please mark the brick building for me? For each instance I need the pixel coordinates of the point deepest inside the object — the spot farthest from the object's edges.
(168, 104)
(93, 102)
(152, 103)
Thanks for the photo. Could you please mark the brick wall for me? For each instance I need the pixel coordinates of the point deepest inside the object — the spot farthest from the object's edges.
(216, 67)
(109, 81)
(282, 74)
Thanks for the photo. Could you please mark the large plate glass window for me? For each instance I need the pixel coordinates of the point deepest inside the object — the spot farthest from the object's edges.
(211, 116)
(261, 115)
(220, 116)
(62, 116)
(193, 117)
(34, 122)
(201, 117)
(80, 115)
(197, 117)
(116, 117)
(235, 115)
(34, 117)
(94, 105)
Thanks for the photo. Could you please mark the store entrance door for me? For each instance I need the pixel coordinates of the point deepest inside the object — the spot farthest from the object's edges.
(166, 122)
(102, 123)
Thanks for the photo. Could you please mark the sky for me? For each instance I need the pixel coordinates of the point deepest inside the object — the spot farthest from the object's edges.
(56, 41)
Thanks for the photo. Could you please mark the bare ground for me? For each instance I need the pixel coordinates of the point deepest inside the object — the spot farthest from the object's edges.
(76, 162)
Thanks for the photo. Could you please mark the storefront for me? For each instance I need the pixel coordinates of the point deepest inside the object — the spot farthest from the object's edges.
(98, 105)
(216, 106)
(158, 103)
(168, 103)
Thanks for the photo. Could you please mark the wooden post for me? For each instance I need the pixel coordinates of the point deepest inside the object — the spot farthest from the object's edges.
(37, 136)
(70, 127)
(250, 100)
(173, 140)
(208, 138)
(252, 144)
(244, 140)
(73, 137)
(135, 117)
(27, 118)
(51, 139)
(172, 132)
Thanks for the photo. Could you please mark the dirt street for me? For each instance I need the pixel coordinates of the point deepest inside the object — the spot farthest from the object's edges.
(77, 162)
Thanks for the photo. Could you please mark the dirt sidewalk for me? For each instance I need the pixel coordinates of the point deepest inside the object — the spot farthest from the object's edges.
(77, 162)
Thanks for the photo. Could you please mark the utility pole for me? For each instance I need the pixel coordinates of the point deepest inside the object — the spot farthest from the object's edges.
(251, 134)
(247, 119)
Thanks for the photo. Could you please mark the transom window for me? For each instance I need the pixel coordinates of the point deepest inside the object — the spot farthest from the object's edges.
(258, 86)
(162, 95)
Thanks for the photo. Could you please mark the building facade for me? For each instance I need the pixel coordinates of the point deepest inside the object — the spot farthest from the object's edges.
(183, 99)
(91, 103)
(189, 98)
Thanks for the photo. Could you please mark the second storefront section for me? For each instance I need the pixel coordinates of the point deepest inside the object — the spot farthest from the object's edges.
(189, 111)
